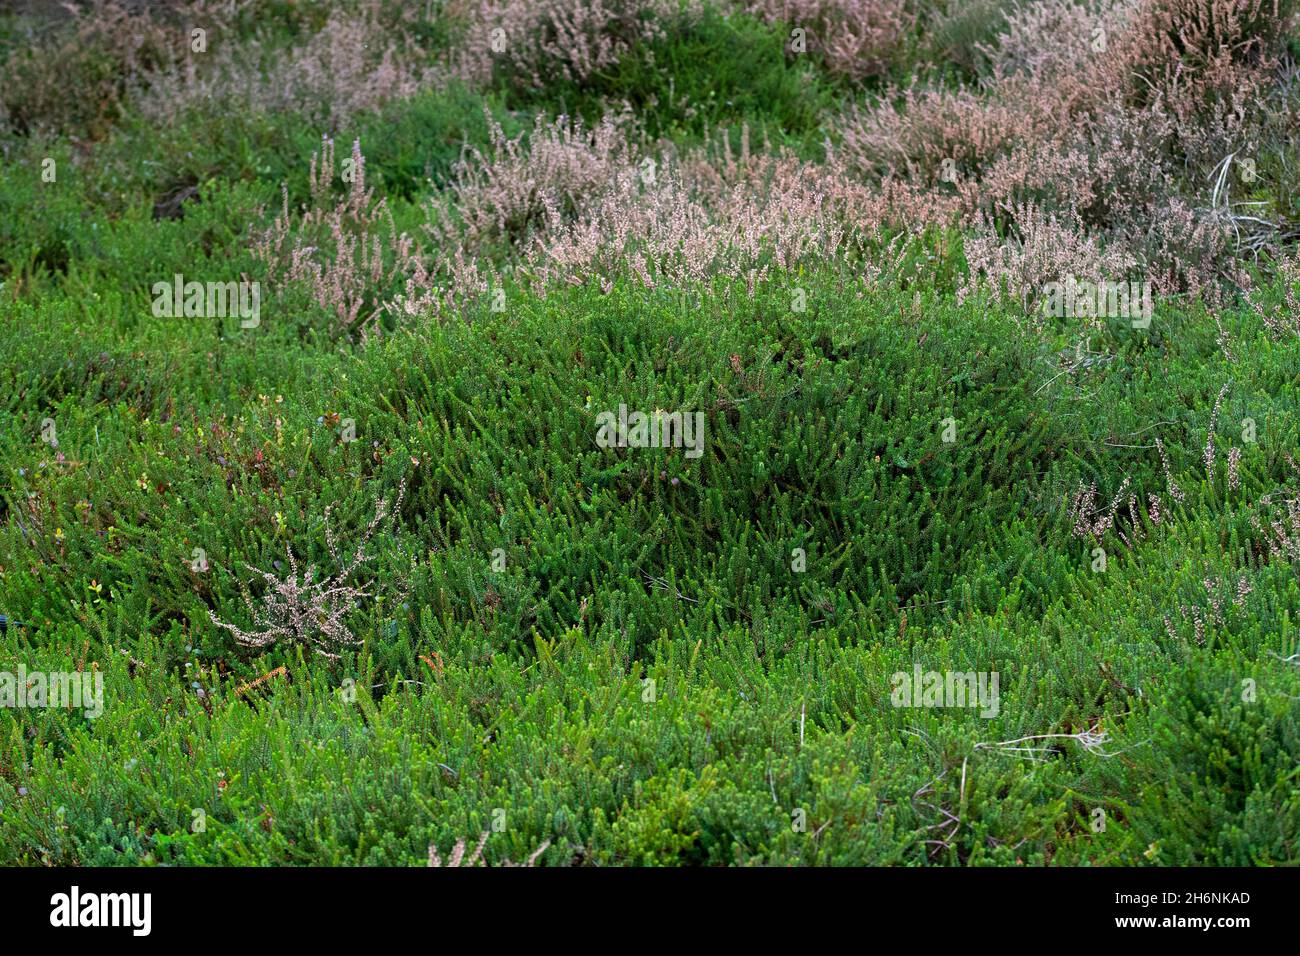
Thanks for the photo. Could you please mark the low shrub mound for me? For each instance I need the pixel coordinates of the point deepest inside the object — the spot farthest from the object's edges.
(649, 433)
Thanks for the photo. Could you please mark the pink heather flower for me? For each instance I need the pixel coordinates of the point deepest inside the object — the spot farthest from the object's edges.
(856, 39)
(1083, 511)
(304, 609)
(1198, 622)
(1216, 606)
(1281, 531)
(357, 60)
(1063, 156)
(1209, 438)
(336, 249)
(1048, 248)
(1282, 319)
(1243, 591)
(512, 192)
(532, 41)
(1174, 491)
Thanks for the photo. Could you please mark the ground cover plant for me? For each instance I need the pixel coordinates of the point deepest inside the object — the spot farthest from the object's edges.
(650, 432)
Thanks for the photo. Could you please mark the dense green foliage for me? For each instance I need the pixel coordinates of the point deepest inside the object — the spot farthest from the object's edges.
(613, 649)
(823, 434)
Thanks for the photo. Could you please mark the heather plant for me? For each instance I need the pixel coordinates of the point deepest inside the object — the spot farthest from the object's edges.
(356, 60)
(1282, 315)
(302, 609)
(741, 216)
(1034, 136)
(515, 191)
(879, 275)
(77, 66)
(1194, 52)
(1189, 252)
(855, 39)
(1044, 250)
(1046, 40)
(703, 71)
(526, 43)
(340, 256)
(456, 856)
(577, 206)
(929, 134)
